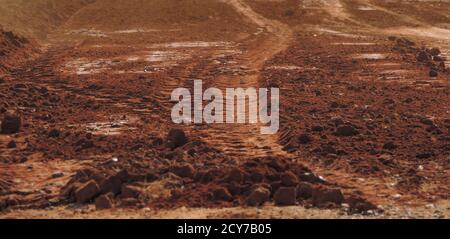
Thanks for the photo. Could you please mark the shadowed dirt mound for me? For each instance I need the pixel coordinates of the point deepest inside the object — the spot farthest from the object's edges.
(14, 50)
(202, 183)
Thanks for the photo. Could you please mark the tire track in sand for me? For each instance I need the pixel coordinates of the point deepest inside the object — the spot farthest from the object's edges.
(245, 140)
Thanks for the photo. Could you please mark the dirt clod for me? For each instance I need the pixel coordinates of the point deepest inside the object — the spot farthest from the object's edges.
(322, 196)
(289, 179)
(221, 194)
(346, 131)
(433, 73)
(423, 56)
(11, 123)
(87, 192)
(113, 184)
(176, 138)
(258, 196)
(184, 171)
(104, 202)
(304, 190)
(285, 196)
(12, 144)
(434, 51)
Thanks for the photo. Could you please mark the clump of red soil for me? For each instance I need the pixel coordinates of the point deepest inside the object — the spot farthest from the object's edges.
(203, 183)
(429, 57)
(14, 50)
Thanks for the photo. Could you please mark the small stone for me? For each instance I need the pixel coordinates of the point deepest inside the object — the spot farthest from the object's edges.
(289, 179)
(433, 73)
(434, 51)
(389, 146)
(258, 196)
(392, 38)
(11, 123)
(54, 133)
(274, 186)
(423, 56)
(112, 184)
(396, 196)
(346, 131)
(256, 177)
(235, 175)
(104, 202)
(407, 42)
(184, 171)
(304, 139)
(317, 128)
(221, 194)
(386, 159)
(334, 105)
(337, 121)
(57, 175)
(176, 138)
(304, 190)
(285, 196)
(424, 155)
(426, 121)
(322, 196)
(11, 145)
(87, 192)
(361, 205)
(438, 59)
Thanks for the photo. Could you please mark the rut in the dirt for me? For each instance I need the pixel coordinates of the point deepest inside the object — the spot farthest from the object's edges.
(245, 140)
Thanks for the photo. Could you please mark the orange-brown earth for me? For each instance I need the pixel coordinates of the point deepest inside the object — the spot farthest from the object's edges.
(364, 111)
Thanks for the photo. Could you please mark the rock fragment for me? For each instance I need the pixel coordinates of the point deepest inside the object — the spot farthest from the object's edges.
(323, 196)
(289, 179)
(285, 196)
(304, 190)
(258, 196)
(221, 194)
(184, 171)
(87, 192)
(11, 123)
(176, 138)
(346, 131)
(104, 202)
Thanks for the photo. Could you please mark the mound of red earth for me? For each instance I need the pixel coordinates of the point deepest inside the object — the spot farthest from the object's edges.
(207, 183)
(14, 51)
(429, 57)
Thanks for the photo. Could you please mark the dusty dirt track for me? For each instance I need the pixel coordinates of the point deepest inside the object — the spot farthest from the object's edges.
(364, 126)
